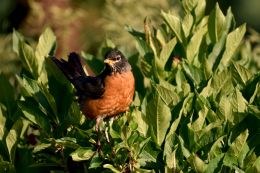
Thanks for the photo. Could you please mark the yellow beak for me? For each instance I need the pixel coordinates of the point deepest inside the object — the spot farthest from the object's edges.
(109, 62)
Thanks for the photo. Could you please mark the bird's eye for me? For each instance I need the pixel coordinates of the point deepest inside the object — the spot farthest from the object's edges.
(118, 58)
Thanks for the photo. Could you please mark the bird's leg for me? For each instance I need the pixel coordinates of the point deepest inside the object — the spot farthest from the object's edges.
(98, 120)
(106, 133)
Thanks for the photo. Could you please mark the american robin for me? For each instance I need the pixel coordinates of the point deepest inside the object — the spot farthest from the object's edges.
(105, 95)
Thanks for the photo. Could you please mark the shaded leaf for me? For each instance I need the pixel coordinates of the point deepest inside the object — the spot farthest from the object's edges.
(7, 96)
(31, 111)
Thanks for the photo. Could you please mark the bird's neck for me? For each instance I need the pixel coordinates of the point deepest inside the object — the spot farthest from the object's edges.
(108, 70)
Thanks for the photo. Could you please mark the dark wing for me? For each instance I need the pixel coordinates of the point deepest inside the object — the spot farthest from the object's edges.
(86, 86)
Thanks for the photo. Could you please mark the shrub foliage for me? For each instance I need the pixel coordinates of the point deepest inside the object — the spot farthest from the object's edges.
(196, 106)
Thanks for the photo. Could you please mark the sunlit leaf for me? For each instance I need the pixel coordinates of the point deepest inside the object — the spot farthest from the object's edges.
(216, 24)
(111, 167)
(214, 56)
(194, 44)
(175, 24)
(28, 58)
(41, 147)
(196, 163)
(159, 116)
(12, 138)
(233, 40)
(240, 74)
(82, 154)
(167, 50)
(45, 46)
(214, 164)
(187, 24)
(231, 157)
(2, 124)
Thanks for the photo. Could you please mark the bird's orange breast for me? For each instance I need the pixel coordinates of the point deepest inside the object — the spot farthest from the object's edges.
(118, 95)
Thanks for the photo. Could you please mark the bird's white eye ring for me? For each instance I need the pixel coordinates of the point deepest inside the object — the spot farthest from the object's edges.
(118, 58)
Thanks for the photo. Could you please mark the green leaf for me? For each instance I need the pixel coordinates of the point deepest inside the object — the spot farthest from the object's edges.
(17, 37)
(159, 116)
(60, 90)
(252, 88)
(239, 106)
(178, 113)
(233, 41)
(216, 24)
(95, 162)
(169, 152)
(7, 96)
(189, 5)
(175, 24)
(200, 9)
(12, 138)
(187, 24)
(32, 112)
(232, 155)
(225, 109)
(82, 153)
(167, 50)
(192, 49)
(28, 58)
(194, 74)
(7, 167)
(45, 101)
(111, 167)
(254, 110)
(214, 164)
(141, 46)
(222, 84)
(141, 121)
(148, 155)
(255, 167)
(240, 74)
(2, 124)
(41, 147)
(196, 163)
(216, 148)
(167, 92)
(45, 47)
(214, 56)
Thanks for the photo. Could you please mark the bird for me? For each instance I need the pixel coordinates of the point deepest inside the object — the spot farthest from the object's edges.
(106, 95)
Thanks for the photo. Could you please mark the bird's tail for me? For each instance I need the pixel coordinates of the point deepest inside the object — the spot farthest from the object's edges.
(72, 68)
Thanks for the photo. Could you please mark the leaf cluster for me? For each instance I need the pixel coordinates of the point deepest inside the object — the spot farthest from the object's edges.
(196, 106)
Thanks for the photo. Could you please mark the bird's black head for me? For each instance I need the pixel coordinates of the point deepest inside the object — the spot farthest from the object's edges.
(116, 61)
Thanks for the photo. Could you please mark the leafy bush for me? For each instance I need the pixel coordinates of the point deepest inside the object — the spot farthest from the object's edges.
(196, 106)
